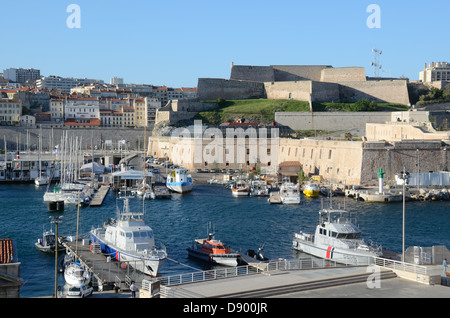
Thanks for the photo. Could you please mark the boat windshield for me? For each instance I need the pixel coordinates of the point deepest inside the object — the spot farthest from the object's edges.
(353, 236)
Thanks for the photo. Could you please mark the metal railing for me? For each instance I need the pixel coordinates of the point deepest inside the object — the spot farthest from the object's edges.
(225, 272)
(284, 265)
(398, 265)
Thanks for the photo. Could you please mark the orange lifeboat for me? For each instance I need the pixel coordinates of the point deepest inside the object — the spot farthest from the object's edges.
(214, 251)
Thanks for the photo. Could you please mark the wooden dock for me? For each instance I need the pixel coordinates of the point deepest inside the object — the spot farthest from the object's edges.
(100, 196)
(105, 272)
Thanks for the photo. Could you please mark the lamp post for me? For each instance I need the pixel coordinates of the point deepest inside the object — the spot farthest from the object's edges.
(56, 220)
(405, 181)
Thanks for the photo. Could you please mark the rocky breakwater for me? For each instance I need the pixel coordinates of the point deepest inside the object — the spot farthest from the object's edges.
(431, 195)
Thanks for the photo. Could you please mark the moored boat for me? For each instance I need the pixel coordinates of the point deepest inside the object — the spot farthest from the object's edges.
(178, 180)
(259, 188)
(289, 193)
(336, 238)
(311, 190)
(129, 239)
(240, 188)
(47, 243)
(76, 274)
(213, 251)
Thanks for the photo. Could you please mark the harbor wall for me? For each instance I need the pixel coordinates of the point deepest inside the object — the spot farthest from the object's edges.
(337, 161)
(97, 138)
(345, 120)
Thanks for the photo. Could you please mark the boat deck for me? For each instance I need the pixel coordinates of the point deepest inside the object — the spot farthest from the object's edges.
(275, 198)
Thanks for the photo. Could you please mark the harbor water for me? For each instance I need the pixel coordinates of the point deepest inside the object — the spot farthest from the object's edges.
(243, 222)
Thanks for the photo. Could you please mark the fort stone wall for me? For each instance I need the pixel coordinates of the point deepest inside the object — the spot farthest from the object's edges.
(214, 88)
(300, 90)
(384, 91)
(343, 74)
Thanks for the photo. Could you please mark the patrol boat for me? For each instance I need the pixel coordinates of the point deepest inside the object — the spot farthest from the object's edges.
(129, 239)
(336, 238)
(178, 180)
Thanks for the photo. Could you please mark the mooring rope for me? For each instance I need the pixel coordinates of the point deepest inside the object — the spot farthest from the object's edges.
(184, 264)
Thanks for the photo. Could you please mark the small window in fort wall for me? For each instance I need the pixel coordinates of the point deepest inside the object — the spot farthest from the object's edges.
(349, 172)
(329, 154)
(312, 152)
(303, 153)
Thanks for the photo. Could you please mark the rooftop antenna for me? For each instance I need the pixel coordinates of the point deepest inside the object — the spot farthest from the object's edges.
(375, 64)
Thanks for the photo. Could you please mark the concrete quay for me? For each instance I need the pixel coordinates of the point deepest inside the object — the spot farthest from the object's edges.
(353, 282)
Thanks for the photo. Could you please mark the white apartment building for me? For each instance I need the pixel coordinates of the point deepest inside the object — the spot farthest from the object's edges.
(435, 72)
(65, 84)
(21, 75)
(82, 108)
(27, 121)
(10, 111)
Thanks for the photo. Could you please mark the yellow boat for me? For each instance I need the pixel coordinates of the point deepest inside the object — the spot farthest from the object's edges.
(311, 190)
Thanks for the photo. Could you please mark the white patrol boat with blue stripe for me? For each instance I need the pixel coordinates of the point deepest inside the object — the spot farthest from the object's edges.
(338, 239)
(129, 239)
(178, 180)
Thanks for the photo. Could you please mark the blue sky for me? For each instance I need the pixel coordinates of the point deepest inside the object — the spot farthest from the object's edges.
(175, 42)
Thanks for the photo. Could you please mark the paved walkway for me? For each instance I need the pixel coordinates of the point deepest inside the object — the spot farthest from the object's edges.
(388, 288)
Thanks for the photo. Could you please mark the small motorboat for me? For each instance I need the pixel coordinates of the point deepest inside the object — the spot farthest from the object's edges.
(47, 243)
(240, 188)
(213, 251)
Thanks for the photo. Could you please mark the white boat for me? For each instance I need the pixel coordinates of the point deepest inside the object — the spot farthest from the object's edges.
(146, 192)
(289, 193)
(42, 180)
(240, 188)
(129, 239)
(336, 238)
(76, 274)
(259, 188)
(68, 196)
(47, 243)
(178, 180)
(311, 190)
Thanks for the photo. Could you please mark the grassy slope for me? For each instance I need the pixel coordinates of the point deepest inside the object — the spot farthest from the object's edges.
(263, 110)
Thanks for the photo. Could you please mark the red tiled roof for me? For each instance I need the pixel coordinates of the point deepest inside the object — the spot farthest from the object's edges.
(6, 251)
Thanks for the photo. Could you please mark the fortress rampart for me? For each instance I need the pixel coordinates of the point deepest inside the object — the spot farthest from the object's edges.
(321, 83)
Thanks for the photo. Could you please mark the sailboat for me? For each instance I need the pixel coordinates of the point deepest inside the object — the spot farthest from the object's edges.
(75, 273)
(42, 179)
(67, 190)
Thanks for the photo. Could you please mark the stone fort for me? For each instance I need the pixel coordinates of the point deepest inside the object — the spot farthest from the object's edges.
(313, 83)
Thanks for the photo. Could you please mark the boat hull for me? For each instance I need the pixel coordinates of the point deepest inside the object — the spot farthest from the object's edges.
(311, 193)
(147, 265)
(179, 187)
(290, 200)
(75, 275)
(231, 259)
(334, 254)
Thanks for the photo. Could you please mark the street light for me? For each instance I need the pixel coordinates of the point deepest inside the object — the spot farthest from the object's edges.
(404, 177)
(56, 220)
